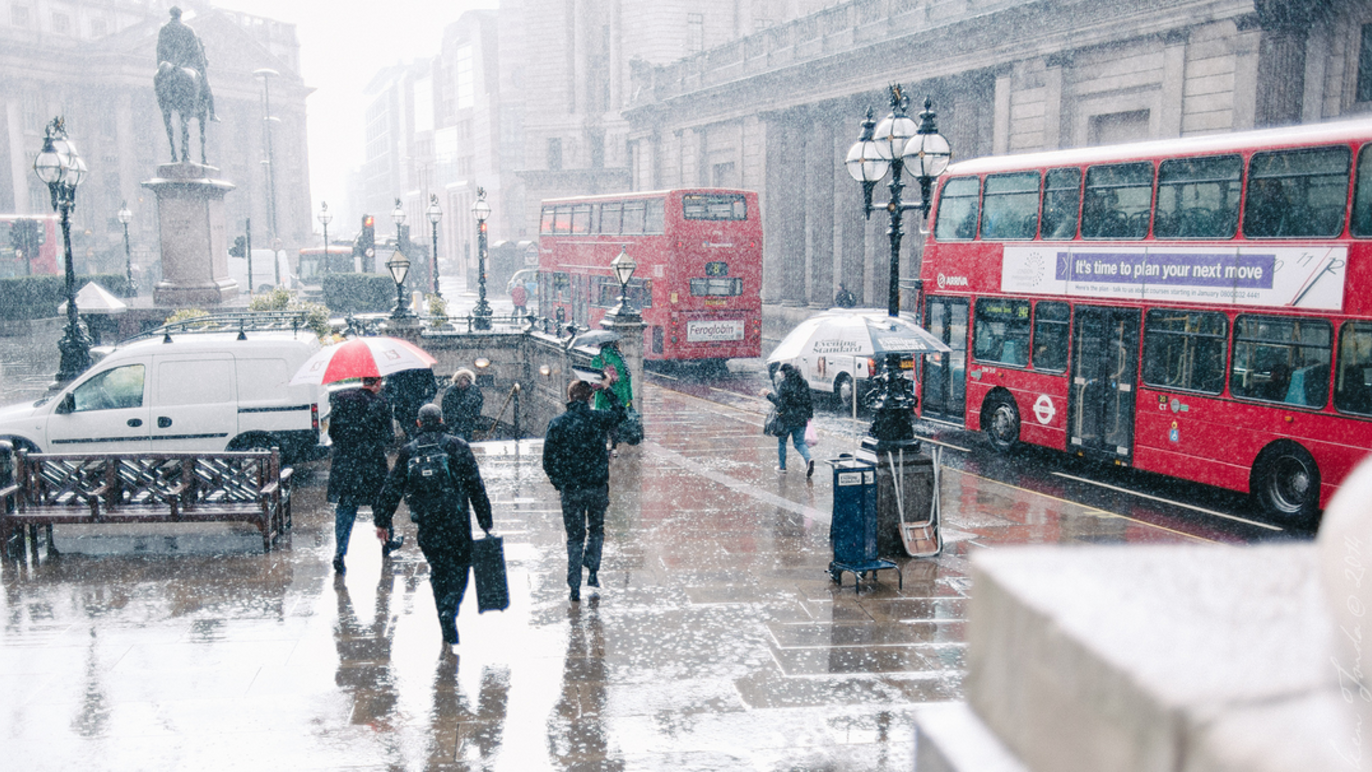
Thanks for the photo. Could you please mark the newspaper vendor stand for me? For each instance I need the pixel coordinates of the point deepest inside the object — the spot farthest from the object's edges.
(853, 529)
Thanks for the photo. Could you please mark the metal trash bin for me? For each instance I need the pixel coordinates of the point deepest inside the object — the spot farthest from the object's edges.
(853, 528)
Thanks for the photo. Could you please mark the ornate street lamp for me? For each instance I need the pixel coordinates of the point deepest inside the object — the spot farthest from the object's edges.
(126, 217)
(324, 219)
(481, 211)
(897, 145)
(399, 266)
(623, 268)
(60, 167)
(435, 214)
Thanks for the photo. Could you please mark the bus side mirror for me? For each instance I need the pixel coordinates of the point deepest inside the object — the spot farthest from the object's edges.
(67, 405)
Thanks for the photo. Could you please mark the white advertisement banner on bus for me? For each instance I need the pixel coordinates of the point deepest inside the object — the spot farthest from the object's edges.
(714, 330)
(1274, 277)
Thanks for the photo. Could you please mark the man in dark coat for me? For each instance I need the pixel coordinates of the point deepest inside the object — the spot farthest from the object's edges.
(445, 525)
(360, 428)
(462, 404)
(407, 390)
(577, 462)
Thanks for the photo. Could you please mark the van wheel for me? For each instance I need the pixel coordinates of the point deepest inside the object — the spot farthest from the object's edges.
(1286, 485)
(253, 441)
(843, 392)
(1000, 419)
(19, 443)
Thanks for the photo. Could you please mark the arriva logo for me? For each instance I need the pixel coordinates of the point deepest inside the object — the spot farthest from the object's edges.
(951, 281)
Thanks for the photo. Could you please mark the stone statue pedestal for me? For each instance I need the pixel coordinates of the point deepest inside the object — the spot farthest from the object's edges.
(193, 236)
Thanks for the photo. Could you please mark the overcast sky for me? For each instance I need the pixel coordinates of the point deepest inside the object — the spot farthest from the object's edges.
(342, 45)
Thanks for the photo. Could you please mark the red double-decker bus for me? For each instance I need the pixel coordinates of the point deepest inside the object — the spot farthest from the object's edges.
(28, 244)
(699, 277)
(1197, 307)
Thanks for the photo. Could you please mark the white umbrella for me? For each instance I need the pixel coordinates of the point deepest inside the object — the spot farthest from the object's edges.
(362, 358)
(856, 332)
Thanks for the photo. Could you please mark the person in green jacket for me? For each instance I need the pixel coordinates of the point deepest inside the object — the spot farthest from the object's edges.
(612, 363)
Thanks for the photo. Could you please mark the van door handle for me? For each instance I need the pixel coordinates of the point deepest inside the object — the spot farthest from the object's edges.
(135, 422)
(163, 422)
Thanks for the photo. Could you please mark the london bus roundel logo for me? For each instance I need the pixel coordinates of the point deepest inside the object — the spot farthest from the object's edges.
(1044, 410)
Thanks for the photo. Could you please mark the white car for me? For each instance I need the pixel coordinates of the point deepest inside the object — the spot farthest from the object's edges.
(188, 392)
(841, 349)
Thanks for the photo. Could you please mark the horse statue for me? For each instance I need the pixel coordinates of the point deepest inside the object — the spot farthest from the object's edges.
(180, 89)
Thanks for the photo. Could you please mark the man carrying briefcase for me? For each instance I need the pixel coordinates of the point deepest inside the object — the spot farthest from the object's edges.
(437, 475)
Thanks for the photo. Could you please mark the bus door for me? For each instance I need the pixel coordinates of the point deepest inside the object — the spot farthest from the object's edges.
(944, 381)
(1105, 344)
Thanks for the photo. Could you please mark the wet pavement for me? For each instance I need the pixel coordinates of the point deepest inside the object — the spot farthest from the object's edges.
(717, 642)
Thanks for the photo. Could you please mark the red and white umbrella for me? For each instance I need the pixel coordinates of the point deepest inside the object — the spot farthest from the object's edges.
(362, 358)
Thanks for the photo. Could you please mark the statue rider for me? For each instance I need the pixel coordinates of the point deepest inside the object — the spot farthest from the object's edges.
(178, 45)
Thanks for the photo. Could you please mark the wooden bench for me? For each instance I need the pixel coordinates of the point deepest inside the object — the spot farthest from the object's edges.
(55, 488)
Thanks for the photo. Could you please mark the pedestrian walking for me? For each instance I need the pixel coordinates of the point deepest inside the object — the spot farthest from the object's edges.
(407, 390)
(360, 427)
(519, 297)
(438, 478)
(845, 297)
(794, 411)
(462, 404)
(611, 362)
(577, 462)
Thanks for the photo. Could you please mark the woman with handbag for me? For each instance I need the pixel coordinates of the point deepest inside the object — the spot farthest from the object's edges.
(794, 411)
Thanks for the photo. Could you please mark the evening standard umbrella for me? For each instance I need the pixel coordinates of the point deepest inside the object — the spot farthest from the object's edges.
(596, 338)
(362, 358)
(855, 332)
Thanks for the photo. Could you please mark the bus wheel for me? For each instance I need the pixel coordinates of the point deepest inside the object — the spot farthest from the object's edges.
(843, 392)
(1286, 485)
(1000, 419)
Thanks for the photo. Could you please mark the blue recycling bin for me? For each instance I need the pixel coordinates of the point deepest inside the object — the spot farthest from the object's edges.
(853, 528)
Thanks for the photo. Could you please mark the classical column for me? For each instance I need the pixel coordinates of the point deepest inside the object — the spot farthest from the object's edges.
(819, 207)
(1281, 58)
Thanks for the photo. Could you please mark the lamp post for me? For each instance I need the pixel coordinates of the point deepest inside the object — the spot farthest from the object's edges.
(324, 219)
(481, 211)
(623, 268)
(435, 214)
(399, 266)
(60, 167)
(126, 217)
(897, 145)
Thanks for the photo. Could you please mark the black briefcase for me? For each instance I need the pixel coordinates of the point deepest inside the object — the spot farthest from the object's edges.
(488, 564)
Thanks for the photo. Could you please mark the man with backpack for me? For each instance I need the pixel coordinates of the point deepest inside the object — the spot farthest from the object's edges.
(437, 476)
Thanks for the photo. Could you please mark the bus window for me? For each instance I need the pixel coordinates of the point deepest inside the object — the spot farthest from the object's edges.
(714, 206)
(562, 220)
(1281, 359)
(545, 225)
(633, 217)
(611, 217)
(581, 219)
(1296, 193)
(1362, 194)
(1185, 349)
(1118, 201)
(1198, 198)
(1050, 336)
(655, 216)
(1011, 207)
(1353, 389)
(957, 210)
(1061, 203)
(1001, 333)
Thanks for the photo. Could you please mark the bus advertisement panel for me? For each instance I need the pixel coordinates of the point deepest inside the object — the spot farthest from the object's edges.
(1199, 308)
(699, 268)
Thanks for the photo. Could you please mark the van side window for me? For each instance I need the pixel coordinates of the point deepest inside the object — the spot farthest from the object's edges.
(194, 382)
(115, 389)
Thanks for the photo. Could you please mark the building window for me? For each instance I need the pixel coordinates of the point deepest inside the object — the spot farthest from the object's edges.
(464, 79)
(554, 154)
(695, 32)
(1365, 65)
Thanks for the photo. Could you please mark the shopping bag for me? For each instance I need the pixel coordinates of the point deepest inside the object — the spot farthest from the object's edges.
(811, 437)
(488, 564)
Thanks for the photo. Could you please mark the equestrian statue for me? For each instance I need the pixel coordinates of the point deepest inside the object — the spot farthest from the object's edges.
(181, 83)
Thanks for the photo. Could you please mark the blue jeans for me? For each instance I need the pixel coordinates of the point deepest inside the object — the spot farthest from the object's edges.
(583, 515)
(797, 435)
(343, 517)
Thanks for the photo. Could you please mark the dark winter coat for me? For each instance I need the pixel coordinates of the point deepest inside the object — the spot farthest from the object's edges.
(575, 453)
(360, 428)
(462, 409)
(445, 522)
(407, 391)
(792, 398)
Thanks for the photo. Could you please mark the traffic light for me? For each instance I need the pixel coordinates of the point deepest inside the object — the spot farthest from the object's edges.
(26, 236)
(365, 245)
(240, 246)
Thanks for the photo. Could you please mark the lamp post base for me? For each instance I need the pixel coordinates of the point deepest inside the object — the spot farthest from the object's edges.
(481, 316)
(75, 348)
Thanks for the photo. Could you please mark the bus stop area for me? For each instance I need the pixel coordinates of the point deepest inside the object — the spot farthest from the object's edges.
(718, 639)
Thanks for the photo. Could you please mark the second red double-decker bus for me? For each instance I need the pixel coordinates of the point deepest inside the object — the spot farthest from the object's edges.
(1198, 307)
(699, 275)
(28, 244)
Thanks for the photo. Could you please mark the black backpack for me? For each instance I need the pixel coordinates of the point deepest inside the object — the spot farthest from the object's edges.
(429, 475)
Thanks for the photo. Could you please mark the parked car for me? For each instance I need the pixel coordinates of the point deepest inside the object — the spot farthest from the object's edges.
(185, 392)
(842, 349)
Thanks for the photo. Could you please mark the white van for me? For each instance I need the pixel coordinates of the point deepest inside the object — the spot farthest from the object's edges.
(187, 391)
